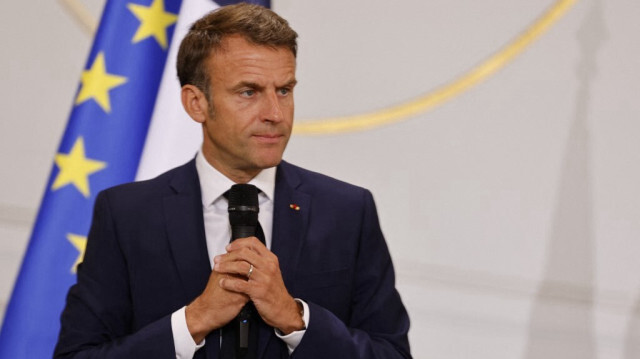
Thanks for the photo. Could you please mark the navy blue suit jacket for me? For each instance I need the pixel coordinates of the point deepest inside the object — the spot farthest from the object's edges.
(146, 257)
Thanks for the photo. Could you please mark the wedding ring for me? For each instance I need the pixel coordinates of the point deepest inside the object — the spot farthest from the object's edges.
(250, 271)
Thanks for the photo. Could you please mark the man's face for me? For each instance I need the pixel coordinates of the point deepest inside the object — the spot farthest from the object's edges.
(251, 97)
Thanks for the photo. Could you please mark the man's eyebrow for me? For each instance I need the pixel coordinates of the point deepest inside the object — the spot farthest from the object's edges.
(290, 83)
(253, 85)
(246, 84)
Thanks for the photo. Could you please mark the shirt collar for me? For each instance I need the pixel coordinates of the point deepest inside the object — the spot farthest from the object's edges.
(214, 184)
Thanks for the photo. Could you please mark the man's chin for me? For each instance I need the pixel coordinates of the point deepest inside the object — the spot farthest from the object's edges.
(269, 159)
(259, 164)
(270, 163)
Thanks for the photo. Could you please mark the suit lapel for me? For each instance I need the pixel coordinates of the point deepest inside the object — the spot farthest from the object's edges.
(290, 219)
(289, 228)
(185, 230)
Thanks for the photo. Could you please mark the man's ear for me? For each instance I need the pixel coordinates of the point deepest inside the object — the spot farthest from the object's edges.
(195, 103)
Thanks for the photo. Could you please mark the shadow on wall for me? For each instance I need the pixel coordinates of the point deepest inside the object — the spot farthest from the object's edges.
(632, 343)
(561, 322)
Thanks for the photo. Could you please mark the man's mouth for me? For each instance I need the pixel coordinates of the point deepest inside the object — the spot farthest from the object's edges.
(268, 138)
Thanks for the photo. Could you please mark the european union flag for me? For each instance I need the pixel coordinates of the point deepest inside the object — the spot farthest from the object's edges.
(101, 147)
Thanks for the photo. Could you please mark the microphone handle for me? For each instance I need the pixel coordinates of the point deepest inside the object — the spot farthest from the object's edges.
(244, 316)
(242, 232)
(243, 330)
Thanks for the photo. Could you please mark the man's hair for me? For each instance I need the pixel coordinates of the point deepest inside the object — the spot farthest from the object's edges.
(256, 24)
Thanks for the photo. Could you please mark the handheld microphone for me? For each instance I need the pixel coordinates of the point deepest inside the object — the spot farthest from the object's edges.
(243, 210)
(243, 217)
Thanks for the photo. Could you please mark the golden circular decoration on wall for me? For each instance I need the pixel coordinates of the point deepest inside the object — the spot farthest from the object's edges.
(390, 115)
(88, 22)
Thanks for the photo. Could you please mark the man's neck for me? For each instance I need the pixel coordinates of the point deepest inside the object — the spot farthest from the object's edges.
(234, 174)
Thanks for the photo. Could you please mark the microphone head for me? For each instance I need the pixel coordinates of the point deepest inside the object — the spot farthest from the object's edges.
(243, 210)
(243, 195)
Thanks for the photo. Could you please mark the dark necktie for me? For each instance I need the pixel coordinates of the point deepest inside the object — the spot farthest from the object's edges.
(228, 349)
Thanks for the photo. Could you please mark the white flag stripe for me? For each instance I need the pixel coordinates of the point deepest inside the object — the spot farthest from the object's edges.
(173, 137)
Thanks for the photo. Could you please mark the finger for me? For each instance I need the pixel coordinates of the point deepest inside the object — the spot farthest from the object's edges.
(240, 268)
(235, 285)
(244, 271)
(250, 242)
(247, 248)
(243, 254)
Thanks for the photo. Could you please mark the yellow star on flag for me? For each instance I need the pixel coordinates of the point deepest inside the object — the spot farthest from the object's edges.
(75, 168)
(154, 21)
(80, 242)
(96, 83)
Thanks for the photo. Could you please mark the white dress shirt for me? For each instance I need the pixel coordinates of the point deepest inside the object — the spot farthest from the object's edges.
(213, 185)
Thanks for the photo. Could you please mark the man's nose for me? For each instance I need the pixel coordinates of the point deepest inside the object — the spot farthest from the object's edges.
(273, 108)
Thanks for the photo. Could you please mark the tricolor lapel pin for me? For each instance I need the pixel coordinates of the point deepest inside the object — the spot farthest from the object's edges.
(294, 206)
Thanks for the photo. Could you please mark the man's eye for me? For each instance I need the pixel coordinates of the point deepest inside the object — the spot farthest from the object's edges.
(248, 93)
(284, 91)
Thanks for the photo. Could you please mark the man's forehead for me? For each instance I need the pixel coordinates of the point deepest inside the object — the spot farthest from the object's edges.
(242, 59)
(230, 42)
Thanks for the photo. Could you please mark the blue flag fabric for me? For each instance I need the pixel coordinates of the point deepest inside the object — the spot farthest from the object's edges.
(100, 148)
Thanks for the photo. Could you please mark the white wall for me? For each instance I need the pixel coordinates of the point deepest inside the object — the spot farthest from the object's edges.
(511, 210)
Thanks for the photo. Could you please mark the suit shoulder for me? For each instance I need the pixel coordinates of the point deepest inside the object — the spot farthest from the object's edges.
(146, 189)
(321, 184)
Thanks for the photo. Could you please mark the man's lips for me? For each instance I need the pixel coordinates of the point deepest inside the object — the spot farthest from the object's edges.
(268, 138)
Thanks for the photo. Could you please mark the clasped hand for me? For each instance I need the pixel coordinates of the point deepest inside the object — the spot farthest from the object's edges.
(230, 288)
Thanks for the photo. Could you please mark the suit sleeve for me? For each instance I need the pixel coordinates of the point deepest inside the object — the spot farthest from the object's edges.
(378, 325)
(97, 321)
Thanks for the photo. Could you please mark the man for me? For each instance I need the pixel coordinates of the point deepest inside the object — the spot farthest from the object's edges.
(160, 278)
